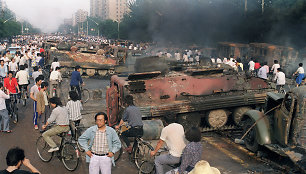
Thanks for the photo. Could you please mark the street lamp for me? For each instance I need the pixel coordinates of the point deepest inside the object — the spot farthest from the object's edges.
(118, 22)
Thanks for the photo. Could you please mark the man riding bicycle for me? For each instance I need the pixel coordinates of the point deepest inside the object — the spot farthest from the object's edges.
(10, 84)
(60, 116)
(55, 80)
(133, 116)
(76, 80)
(23, 78)
(174, 136)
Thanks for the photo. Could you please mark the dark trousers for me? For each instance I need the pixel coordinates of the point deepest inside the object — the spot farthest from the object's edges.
(78, 90)
(132, 132)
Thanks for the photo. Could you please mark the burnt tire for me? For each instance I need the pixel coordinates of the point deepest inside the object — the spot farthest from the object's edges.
(250, 139)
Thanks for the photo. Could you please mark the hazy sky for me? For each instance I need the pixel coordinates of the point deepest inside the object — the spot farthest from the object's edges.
(46, 14)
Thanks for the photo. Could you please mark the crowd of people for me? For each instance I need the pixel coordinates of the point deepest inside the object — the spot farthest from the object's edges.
(100, 141)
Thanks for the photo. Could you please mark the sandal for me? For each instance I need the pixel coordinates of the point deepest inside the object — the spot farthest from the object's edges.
(9, 131)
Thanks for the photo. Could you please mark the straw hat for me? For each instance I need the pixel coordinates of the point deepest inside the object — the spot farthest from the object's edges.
(203, 167)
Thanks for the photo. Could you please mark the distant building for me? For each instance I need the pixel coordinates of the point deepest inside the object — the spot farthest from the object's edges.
(108, 9)
(80, 16)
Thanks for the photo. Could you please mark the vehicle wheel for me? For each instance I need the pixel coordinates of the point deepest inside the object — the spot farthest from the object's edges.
(251, 138)
(85, 95)
(70, 156)
(147, 167)
(118, 154)
(42, 148)
(142, 153)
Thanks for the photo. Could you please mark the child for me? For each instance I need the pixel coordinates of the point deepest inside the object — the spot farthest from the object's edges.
(74, 107)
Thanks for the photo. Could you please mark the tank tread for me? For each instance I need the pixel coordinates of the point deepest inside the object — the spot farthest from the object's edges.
(210, 129)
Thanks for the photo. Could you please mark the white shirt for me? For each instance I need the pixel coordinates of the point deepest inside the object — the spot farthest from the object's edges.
(17, 59)
(252, 65)
(35, 74)
(274, 68)
(23, 77)
(262, 73)
(281, 78)
(22, 61)
(55, 75)
(6, 60)
(300, 70)
(13, 66)
(174, 136)
(54, 65)
(219, 60)
(3, 96)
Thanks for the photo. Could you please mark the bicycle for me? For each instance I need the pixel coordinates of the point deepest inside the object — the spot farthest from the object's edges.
(75, 136)
(67, 153)
(13, 107)
(85, 95)
(54, 91)
(140, 150)
(23, 95)
(148, 166)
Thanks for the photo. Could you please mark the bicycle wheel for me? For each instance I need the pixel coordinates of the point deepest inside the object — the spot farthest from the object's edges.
(85, 95)
(118, 154)
(70, 156)
(142, 153)
(42, 148)
(15, 115)
(147, 167)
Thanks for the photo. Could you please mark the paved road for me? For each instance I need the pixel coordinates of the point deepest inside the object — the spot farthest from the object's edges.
(220, 152)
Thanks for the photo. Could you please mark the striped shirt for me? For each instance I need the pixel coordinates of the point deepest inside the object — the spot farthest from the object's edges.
(100, 145)
(74, 110)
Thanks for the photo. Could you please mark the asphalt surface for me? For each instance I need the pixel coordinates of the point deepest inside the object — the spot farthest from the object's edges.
(220, 152)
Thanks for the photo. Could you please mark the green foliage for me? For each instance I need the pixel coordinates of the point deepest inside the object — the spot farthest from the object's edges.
(109, 29)
(9, 28)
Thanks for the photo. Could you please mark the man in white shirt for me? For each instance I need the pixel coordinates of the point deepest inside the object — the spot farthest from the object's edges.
(55, 79)
(55, 64)
(262, 73)
(173, 135)
(5, 59)
(13, 66)
(23, 78)
(280, 79)
(251, 65)
(4, 117)
(23, 60)
(275, 67)
(300, 72)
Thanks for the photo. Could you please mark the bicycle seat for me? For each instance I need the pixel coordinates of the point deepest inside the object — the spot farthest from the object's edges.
(63, 134)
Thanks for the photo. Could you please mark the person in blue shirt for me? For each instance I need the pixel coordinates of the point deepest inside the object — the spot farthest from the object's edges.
(76, 80)
(100, 143)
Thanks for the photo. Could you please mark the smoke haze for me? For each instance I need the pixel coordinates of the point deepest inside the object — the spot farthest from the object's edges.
(46, 15)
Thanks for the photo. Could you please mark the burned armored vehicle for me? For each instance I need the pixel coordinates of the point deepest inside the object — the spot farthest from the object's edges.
(94, 59)
(207, 97)
(281, 127)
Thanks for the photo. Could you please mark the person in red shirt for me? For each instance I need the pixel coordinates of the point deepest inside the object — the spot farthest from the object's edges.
(256, 66)
(10, 84)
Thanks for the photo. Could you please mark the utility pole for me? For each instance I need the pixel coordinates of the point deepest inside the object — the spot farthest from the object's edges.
(21, 28)
(262, 6)
(87, 27)
(245, 6)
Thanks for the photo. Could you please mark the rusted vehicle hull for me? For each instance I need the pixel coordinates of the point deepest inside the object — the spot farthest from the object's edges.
(193, 98)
